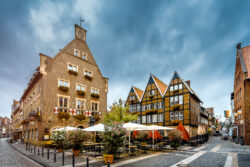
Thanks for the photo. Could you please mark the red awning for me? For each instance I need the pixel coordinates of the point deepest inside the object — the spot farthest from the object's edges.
(185, 135)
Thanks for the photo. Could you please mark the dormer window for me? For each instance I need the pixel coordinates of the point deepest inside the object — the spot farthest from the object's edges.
(132, 97)
(94, 91)
(77, 52)
(84, 56)
(151, 93)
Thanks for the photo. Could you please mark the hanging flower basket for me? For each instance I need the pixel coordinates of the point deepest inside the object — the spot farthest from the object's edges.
(95, 95)
(151, 111)
(63, 115)
(176, 107)
(81, 92)
(88, 77)
(64, 88)
(134, 113)
(176, 91)
(73, 72)
(80, 117)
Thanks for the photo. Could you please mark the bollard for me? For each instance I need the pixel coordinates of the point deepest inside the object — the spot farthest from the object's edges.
(26, 146)
(63, 158)
(31, 149)
(38, 151)
(87, 162)
(34, 149)
(42, 151)
(48, 153)
(108, 164)
(73, 160)
(55, 156)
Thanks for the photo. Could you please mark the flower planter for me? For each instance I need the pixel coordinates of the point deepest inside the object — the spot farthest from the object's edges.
(88, 77)
(60, 150)
(73, 72)
(176, 107)
(64, 88)
(108, 158)
(76, 152)
(80, 92)
(94, 95)
(63, 115)
(80, 117)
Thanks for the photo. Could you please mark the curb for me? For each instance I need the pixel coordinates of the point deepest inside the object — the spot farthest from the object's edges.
(32, 159)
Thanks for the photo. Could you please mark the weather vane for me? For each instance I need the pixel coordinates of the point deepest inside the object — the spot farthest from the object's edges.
(81, 20)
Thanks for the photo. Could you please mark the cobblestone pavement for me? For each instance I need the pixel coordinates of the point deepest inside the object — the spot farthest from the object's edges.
(214, 153)
(11, 158)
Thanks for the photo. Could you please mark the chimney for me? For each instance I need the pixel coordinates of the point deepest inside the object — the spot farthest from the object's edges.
(188, 82)
(238, 46)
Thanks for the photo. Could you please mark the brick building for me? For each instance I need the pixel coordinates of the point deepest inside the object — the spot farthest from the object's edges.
(241, 93)
(168, 105)
(4, 127)
(70, 82)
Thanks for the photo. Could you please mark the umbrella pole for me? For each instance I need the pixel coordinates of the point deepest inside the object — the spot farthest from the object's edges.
(153, 139)
(129, 143)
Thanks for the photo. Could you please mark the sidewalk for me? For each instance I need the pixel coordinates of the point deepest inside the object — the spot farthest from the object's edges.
(79, 160)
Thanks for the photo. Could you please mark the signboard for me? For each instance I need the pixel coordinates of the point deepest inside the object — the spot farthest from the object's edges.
(226, 113)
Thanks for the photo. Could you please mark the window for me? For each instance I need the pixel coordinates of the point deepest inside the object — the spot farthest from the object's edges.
(77, 52)
(130, 108)
(160, 105)
(180, 86)
(171, 116)
(132, 97)
(176, 115)
(94, 91)
(180, 115)
(80, 87)
(63, 83)
(171, 88)
(95, 106)
(88, 73)
(63, 103)
(36, 134)
(149, 119)
(160, 117)
(175, 87)
(143, 107)
(80, 105)
(144, 119)
(181, 99)
(84, 56)
(138, 119)
(154, 117)
(151, 93)
(138, 107)
(72, 67)
(176, 100)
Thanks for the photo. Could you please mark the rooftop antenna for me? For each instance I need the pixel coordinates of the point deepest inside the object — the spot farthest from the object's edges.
(81, 20)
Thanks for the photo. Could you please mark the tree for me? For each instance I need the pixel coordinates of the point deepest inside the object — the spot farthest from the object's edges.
(118, 113)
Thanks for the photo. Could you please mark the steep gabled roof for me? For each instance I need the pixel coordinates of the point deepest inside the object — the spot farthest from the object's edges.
(160, 85)
(244, 54)
(189, 88)
(138, 92)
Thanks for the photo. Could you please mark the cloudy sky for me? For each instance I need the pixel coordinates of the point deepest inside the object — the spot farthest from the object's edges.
(129, 40)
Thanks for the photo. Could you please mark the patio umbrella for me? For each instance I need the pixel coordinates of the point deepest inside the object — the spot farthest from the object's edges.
(155, 135)
(185, 134)
(66, 128)
(95, 128)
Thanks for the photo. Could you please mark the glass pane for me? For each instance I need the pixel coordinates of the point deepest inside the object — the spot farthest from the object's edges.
(74, 68)
(180, 86)
(181, 99)
(78, 104)
(171, 88)
(176, 87)
(65, 102)
(60, 83)
(176, 98)
(78, 87)
(66, 84)
(60, 102)
(171, 99)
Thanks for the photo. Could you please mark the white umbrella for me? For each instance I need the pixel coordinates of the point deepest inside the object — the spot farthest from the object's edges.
(132, 127)
(156, 127)
(95, 128)
(67, 128)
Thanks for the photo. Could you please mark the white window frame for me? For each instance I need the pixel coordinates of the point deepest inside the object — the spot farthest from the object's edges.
(160, 117)
(97, 106)
(75, 51)
(72, 68)
(81, 100)
(82, 87)
(84, 55)
(95, 91)
(180, 86)
(64, 81)
(154, 118)
(144, 119)
(88, 72)
(171, 88)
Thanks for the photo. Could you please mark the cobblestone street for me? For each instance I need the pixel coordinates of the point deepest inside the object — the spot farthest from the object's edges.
(11, 158)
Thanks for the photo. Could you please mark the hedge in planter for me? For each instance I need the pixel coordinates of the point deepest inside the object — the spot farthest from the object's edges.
(88, 77)
(59, 138)
(63, 115)
(175, 138)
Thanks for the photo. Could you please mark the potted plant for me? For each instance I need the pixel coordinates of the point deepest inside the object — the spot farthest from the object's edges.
(175, 139)
(73, 72)
(63, 115)
(80, 92)
(76, 138)
(59, 138)
(64, 88)
(113, 138)
(80, 117)
(142, 136)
